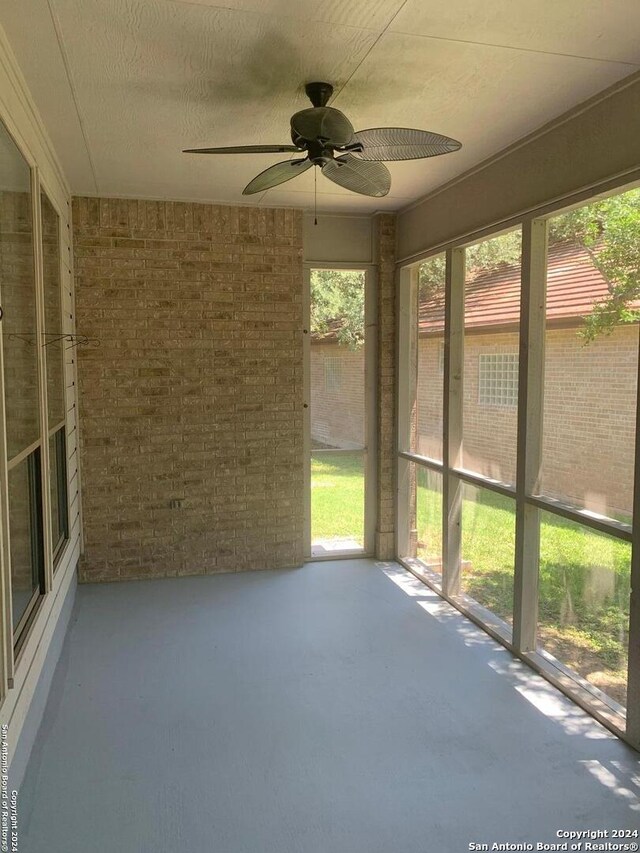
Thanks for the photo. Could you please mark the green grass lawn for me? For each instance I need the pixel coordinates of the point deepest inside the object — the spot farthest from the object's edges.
(337, 496)
(584, 579)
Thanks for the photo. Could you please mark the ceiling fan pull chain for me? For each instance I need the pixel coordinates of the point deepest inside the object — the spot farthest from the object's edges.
(315, 196)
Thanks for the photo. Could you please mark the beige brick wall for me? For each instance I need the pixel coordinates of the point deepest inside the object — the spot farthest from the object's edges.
(194, 392)
(337, 413)
(589, 426)
(590, 397)
(385, 237)
(589, 415)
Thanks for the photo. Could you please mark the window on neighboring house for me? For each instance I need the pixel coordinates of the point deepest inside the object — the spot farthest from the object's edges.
(332, 373)
(498, 379)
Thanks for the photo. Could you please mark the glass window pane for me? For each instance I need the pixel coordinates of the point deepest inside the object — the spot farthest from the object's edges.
(337, 374)
(583, 615)
(488, 549)
(52, 311)
(24, 533)
(431, 285)
(53, 490)
(591, 356)
(17, 283)
(58, 486)
(491, 331)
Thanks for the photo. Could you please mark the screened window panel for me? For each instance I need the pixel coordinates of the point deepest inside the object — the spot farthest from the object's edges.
(590, 379)
(491, 343)
(427, 435)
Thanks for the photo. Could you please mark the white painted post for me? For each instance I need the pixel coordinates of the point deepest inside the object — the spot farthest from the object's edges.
(529, 447)
(453, 393)
(633, 672)
(407, 361)
(371, 371)
(306, 396)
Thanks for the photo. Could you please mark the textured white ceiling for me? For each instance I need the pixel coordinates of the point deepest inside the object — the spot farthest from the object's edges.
(124, 85)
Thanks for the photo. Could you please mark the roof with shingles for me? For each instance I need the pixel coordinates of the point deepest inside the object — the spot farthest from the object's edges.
(492, 299)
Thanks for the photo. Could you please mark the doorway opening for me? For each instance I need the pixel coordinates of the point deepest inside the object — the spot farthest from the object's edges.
(339, 396)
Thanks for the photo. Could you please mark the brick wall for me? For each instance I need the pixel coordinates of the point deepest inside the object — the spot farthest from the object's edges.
(589, 415)
(489, 431)
(430, 378)
(337, 408)
(589, 426)
(194, 392)
(385, 237)
(590, 396)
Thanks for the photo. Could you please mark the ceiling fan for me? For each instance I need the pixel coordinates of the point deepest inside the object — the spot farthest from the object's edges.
(348, 158)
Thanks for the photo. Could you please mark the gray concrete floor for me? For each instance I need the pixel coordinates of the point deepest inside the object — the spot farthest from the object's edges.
(338, 708)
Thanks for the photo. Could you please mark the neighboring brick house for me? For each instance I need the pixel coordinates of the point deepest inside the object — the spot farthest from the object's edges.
(590, 391)
(337, 394)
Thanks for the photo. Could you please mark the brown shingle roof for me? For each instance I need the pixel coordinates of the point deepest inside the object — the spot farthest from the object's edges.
(492, 300)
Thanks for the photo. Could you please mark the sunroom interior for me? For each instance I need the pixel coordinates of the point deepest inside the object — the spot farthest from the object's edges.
(318, 508)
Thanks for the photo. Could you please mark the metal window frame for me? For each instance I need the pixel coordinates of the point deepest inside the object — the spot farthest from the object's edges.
(370, 402)
(522, 640)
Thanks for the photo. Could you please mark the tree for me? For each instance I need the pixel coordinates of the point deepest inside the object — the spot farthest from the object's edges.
(337, 305)
(609, 230)
(487, 256)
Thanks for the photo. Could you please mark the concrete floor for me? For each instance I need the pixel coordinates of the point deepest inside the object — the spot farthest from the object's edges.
(338, 708)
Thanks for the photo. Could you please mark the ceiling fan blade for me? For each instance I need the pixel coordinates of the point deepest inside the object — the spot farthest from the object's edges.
(277, 174)
(402, 143)
(323, 123)
(244, 149)
(358, 175)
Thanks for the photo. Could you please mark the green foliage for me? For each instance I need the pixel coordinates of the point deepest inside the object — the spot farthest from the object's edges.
(337, 305)
(486, 256)
(609, 230)
(572, 559)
